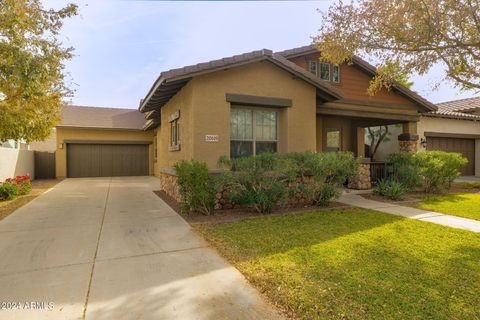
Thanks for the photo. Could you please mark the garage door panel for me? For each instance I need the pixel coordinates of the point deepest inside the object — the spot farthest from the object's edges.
(464, 146)
(105, 160)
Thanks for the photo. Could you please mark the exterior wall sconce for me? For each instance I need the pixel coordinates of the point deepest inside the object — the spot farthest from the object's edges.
(423, 143)
(60, 146)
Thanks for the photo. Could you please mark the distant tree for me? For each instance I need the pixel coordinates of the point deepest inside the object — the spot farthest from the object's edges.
(406, 36)
(32, 82)
(376, 136)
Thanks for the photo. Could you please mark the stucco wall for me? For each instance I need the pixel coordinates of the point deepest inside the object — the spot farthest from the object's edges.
(16, 162)
(440, 125)
(48, 144)
(182, 102)
(96, 135)
(211, 111)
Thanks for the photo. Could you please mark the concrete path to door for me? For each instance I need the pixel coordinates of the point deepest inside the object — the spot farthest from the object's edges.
(109, 248)
(356, 200)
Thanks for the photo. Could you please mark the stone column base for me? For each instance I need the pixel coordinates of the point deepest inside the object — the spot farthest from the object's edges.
(407, 142)
(362, 181)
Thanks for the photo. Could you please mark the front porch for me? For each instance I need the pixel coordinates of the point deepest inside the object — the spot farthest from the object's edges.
(341, 126)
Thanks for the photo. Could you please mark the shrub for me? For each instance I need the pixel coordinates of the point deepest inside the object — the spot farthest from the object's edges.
(391, 189)
(23, 182)
(268, 180)
(439, 169)
(406, 169)
(195, 186)
(9, 190)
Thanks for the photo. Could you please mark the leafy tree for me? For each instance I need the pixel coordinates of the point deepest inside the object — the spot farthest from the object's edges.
(377, 135)
(406, 36)
(32, 82)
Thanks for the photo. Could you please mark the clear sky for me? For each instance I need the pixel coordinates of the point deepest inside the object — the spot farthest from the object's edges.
(122, 46)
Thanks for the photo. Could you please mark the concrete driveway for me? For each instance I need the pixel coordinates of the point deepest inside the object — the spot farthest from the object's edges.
(108, 248)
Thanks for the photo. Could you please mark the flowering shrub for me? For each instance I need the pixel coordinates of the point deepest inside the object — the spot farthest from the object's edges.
(12, 187)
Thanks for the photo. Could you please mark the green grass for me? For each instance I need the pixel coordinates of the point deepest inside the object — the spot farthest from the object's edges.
(465, 205)
(356, 264)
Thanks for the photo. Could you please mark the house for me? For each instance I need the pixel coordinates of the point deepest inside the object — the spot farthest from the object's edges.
(263, 101)
(246, 104)
(454, 127)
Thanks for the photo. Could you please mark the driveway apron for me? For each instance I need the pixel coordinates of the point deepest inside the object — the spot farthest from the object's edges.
(109, 248)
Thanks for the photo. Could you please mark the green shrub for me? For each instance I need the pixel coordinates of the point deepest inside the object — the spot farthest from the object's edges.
(439, 169)
(268, 180)
(405, 169)
(434, 171)
(8, 190)
(390, 189)
(196, 187)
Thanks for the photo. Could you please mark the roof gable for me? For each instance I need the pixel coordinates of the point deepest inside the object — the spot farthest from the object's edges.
(170, 82)
(369, 70)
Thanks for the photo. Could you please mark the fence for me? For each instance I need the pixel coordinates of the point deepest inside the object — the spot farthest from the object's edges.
(44, 165)
(380, 170)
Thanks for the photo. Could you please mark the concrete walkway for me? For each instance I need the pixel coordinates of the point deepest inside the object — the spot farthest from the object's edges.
(357, 200)
(108, 248)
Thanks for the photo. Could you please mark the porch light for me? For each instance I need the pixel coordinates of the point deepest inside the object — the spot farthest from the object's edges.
(423, 143)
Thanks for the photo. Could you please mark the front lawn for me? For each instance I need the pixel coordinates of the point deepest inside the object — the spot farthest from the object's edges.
(465, 205)
(356, 264)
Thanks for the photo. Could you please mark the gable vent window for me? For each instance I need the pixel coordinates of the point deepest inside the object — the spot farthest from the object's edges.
(325, 71)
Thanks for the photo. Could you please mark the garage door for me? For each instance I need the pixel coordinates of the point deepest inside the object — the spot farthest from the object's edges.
(463, 146)
(107, 160)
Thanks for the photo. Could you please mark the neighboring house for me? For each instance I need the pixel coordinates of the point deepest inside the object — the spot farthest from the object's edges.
(454, 127)
(93, 141)
(264, 101)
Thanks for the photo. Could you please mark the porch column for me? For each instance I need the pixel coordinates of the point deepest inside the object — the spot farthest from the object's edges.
(407, 141)
(360, 147)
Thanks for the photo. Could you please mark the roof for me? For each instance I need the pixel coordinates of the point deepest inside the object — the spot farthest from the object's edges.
(367, 67)
(457, 109)
(464, 105)
(102, 118)
(171, 81)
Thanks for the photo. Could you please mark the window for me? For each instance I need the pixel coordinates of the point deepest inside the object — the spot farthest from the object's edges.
(336, 73)
(174, 131)
(324, 71)
(155, 147)
(333, 139)
(252, 132)
(312, 67)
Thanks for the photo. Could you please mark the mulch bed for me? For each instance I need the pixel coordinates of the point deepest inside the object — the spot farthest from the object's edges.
(38, 187)
(224, 216)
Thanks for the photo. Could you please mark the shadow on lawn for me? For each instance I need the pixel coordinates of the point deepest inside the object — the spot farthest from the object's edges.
(453, 198)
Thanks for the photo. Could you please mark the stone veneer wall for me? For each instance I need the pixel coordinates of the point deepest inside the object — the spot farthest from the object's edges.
(168, 184)
(407, 146)
(362, 181)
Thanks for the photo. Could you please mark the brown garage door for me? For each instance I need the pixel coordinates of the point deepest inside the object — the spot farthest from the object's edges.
(107, 160)
(463, 146)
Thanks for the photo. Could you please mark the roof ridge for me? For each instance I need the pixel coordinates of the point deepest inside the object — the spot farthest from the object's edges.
(97, 107)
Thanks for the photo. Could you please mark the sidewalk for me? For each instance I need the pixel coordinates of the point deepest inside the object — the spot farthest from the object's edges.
(356, 200)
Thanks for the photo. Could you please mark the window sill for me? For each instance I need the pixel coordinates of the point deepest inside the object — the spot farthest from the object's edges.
(174, 148)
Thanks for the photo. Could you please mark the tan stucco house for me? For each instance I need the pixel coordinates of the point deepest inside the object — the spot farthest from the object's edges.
(261, 101)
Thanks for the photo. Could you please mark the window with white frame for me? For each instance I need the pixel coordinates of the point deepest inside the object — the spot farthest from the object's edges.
(336, 73)
(312, 67)
(324, 72)
(252, 132)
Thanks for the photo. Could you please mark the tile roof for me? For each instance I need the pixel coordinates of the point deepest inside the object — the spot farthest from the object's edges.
(460, 105)
(102, 118)
(457, 109)
(171, 81)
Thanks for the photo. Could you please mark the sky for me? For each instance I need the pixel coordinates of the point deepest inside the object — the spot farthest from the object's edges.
(122, 46)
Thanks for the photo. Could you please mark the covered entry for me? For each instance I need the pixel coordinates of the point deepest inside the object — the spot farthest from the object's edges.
(107, 159)
(461, 145)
